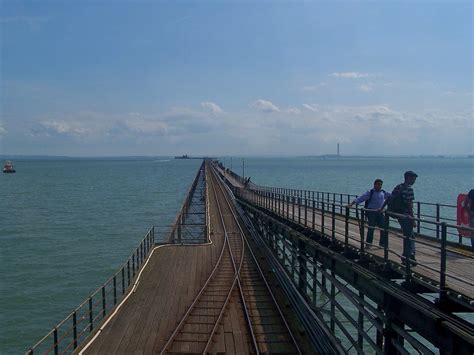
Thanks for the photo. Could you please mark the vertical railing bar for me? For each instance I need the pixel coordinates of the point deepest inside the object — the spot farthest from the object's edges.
(74, 328)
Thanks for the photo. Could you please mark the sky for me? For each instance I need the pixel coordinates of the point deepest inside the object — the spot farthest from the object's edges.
(127, 78)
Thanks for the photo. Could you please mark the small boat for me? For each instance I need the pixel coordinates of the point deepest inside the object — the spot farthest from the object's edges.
(8, 167)
(185, 156)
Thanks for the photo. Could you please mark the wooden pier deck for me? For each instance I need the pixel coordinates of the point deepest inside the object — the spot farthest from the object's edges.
(170, 284)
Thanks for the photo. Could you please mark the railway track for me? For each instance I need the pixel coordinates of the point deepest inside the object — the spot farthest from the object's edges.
(235, 311)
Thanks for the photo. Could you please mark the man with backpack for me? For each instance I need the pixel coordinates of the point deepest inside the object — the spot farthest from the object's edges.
(401, 202)
(374, 200)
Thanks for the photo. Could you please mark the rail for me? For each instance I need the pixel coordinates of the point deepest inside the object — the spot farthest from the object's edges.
(425, 212)
(322, 216)
(176, 231)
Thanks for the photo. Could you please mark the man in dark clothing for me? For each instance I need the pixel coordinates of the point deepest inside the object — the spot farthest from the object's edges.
(374, 199)
(407, 223)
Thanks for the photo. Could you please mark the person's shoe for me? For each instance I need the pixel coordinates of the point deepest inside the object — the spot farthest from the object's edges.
(368, 246)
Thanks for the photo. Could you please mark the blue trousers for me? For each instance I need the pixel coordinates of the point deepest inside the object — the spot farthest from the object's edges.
(409, 239)
(375, 218)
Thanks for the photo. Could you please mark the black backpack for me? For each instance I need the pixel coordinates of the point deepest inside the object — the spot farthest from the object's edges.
(395, 202)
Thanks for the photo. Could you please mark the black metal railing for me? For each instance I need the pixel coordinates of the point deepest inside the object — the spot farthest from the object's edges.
(425, 212)
(176, 231)
(324, 217)
(68, 334)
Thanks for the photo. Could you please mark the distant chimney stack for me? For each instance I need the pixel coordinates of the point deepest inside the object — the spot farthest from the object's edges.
(337, 149)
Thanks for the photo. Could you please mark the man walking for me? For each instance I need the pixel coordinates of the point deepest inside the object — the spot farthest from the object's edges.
(374, 200)
(401, 202)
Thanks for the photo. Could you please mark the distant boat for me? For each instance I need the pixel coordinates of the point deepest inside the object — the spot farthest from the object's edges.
(8, 167)
(185, 156)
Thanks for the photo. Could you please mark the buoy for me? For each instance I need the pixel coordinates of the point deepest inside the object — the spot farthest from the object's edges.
(463, 216)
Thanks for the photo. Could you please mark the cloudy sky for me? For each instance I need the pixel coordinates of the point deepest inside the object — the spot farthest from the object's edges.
(101, 78)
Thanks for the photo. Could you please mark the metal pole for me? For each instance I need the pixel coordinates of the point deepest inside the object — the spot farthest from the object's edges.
(442, 282)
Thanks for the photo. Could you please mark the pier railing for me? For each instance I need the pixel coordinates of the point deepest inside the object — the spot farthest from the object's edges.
(68, 334)
(177, 230)
(326, 218)
(425, 212)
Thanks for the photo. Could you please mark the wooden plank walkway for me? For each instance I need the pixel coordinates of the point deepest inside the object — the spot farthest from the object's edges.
(166, 287)
(164, 290)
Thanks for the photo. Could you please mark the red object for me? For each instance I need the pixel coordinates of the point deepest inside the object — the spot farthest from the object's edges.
(464, 215)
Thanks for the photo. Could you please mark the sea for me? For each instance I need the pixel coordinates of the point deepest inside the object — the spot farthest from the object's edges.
(68, 224)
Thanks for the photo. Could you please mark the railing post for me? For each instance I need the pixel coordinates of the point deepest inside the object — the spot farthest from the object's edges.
(103, 301)
(346, 228)
(293, 208)
(115, 290)
(279, 203)
(314, 212)
(385, 236)
(442, 281)
(322, 218)
(362, 229)
(437, 220)
(299, 210)
(123, 280)
(128, 272)
(133, 265)
(74, 328)
(55, 339)
(305, 211)
(418, 215)
(91, 319)
(333, 226)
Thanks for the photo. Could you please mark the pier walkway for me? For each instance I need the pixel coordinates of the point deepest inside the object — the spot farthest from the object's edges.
(248, 269)
(201, 298)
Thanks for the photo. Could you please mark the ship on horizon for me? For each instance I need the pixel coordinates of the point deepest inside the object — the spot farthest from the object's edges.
(184, 156)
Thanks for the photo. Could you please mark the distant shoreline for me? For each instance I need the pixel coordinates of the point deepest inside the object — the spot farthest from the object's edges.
(150, 157)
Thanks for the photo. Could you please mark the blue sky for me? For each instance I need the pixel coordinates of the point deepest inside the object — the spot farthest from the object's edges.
(91, 78)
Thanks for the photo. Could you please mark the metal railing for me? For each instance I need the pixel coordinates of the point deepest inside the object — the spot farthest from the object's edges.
(329, 223)
(68, 334)
(425, 212)
(176, 231)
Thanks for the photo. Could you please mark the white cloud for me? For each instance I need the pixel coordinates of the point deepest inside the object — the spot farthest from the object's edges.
(449, 93)
(265, 106)
(350, 75)
(65, 127)
(293, 111)
(145, 126)
(312, 107)
(214, 108)
(366, 87)
(314, 87)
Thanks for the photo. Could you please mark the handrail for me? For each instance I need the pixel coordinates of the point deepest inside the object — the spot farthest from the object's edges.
(65, 334)
(180, 217)
(271, 201)
(423, 210)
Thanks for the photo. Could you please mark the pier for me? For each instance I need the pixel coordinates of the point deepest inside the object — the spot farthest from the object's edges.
(248, 269)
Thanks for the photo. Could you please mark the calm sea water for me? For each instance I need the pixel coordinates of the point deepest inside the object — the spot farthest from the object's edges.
(67, 225)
